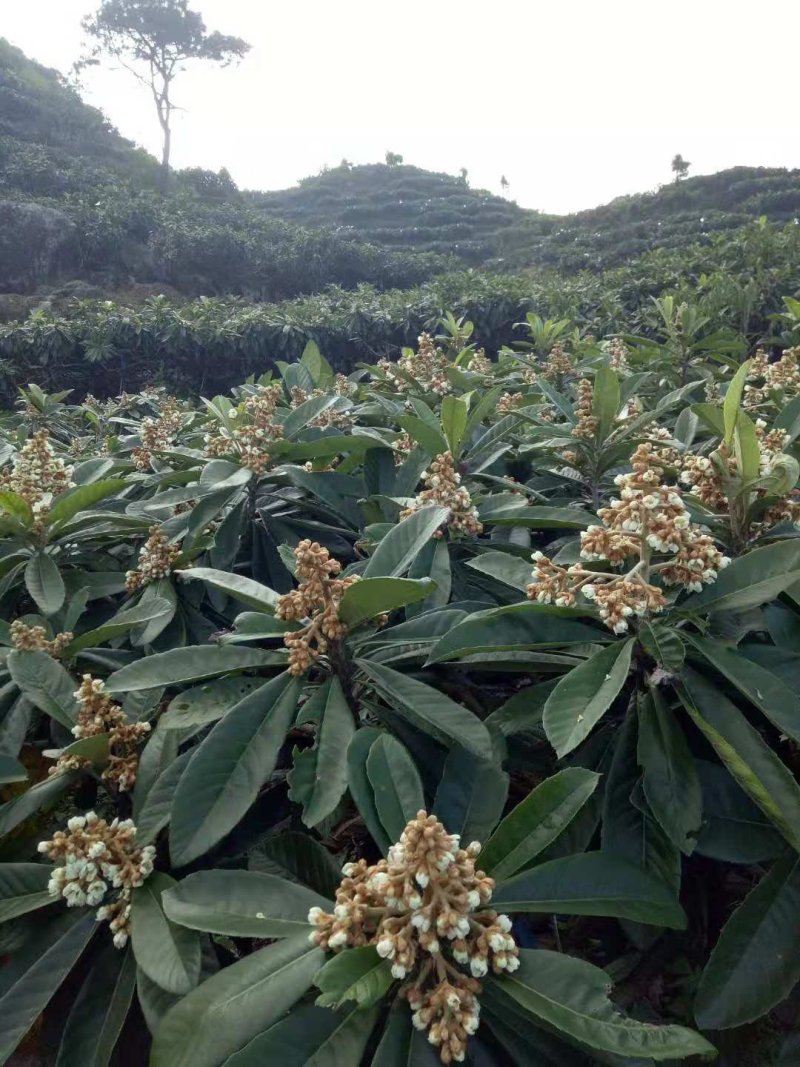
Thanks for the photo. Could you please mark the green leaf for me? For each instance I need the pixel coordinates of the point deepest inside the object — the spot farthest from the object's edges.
(242, 904)
(28, 996)
(154, 813)
(663, 644)
(16, 811)
(14, 504)
(44, 582)
(318, 779)
(779, 702)
(754, 965)
(396, 785)
(185, 665)
(11, 770)
(120, 624)
(536, 518)
(454, 422)
(374, 596)
(734, 830)
(311, 1037)
(470, 796)
(360, 785)
(357, 974)
(232, 1007)
(518, 627)
(537, 821)
(750, 580)
(572, 997)
(23, 888)
(592, 883)
(99, 1012)
(396, 552)
(671, 784)
(245, 590)
(297, 857)
(168, 954)
(68, 504)
(207, 702)
(228, 769)
(510, 570)
(429, 710)
(46, 684)
(428, 436)
(757, 769)
(733, 400)
(583, 696)
(605, 401)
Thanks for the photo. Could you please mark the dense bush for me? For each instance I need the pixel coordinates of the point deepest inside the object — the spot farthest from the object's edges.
(736, 283)
(549, 600)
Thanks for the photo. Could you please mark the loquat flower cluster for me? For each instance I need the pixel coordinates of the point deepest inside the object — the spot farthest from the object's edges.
(37, 475)
(428, 366)
(156, 560)
(557, 365)
(98, 714)
(617, 355)
(424, 909)
(34, 639)
(157, 435)
(97, 858)
(648, 517)
(586, 423)
(316, 599)
(248, 442)
(443, 487)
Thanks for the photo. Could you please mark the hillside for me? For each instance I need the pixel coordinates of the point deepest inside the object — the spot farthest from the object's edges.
(80, 204)
(82, 214)
(402, 207)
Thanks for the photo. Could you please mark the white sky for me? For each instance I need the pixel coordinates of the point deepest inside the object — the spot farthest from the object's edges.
(575, 101)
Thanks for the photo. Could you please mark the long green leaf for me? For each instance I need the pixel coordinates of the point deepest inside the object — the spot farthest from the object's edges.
(23, 888)
(537, 821)
(188, 664)
(227, 770)
(592, 883)
(229, 1009)
(30, 994)
(750, 580)
(754, 966)
(571, 997)
(168, 954)
(754, 765)
(396, 552)
(99, 1012)
(373, 596)
(44, 582)
(396, 784)
(242, 904)
(518, 627)
(429, 710)
(251, 593)
(318, 779)
(584, 695)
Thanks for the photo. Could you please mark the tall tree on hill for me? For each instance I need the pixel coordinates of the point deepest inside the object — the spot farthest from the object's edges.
(504, 183)
(680, 167)
(154, 39)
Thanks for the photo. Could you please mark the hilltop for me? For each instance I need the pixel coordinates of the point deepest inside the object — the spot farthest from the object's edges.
(407, 207)
(81, 205)
(400, 206)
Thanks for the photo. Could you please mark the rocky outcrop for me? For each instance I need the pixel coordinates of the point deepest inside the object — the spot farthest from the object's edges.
(37, 245)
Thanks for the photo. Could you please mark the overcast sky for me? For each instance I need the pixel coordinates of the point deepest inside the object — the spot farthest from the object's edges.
(575, 101)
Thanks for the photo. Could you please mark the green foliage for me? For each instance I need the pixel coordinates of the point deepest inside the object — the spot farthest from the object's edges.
(312, 607)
